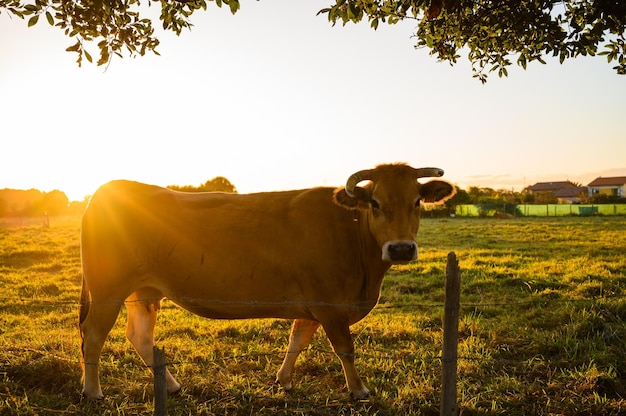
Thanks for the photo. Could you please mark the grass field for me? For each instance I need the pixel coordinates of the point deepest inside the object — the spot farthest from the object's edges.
(542, 332)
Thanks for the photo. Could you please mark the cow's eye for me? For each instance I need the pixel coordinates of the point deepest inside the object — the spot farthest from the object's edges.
(418, 202)
(375, 204)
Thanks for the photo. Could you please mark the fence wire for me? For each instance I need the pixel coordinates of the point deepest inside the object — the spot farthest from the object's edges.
(5, 302)
(372, 350)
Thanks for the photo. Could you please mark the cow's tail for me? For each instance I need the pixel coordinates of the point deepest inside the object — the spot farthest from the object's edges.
(85, 300)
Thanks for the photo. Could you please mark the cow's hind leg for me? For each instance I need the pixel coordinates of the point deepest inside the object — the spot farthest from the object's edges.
(302, 331)
(142, 314)
(97, 319)
(340, 338)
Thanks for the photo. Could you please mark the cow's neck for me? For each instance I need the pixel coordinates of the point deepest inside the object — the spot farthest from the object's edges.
(373, 268)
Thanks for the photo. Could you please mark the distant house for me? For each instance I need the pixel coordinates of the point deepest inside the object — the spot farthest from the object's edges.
(614, 186)
(565, 191)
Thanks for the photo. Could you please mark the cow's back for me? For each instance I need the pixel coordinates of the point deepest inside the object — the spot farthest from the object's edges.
(117, 210)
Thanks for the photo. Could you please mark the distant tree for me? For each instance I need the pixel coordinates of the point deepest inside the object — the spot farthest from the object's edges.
(527, 196)
(494, 33)
(217, 184)
(54, 203)
(474, 193)
(32, 202)
(449, 207)
(509, 196)
(480, 195)
(21, 202)
(78, 207)
(461, 197)
(545, 198)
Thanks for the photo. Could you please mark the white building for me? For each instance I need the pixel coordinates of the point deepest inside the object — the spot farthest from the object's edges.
(614, 186)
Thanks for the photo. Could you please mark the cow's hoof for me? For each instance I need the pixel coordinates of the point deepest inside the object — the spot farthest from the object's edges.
(278, 388)
(96, 397)
(360, 394)
(286, 385)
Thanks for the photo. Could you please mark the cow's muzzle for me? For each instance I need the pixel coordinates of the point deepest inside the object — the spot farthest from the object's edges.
(400, 251)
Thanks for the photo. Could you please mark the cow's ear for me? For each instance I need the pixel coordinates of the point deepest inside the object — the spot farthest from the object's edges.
(437, 191)
(358, 201)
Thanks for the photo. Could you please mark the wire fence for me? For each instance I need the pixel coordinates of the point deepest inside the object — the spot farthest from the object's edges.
(7, 302)
(34, 302)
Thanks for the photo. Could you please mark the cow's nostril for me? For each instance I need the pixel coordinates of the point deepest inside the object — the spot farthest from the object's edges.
(402, 251)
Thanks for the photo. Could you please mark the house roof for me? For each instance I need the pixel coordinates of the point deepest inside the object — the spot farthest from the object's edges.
(612, 181)
(571, 192)
(550, 186)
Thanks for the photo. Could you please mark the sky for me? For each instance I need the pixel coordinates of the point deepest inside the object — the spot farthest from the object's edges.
(276, 98)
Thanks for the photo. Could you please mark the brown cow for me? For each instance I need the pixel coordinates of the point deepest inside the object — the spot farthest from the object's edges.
(317, 256)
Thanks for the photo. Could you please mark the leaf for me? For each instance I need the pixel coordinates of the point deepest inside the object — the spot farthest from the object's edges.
(322, 11)
(332, 15)
(33, 20)
(88, 56)
(17, 12)
(354, 12)
(74, 48)
(104, 58)
(234, 6)
(50, 19)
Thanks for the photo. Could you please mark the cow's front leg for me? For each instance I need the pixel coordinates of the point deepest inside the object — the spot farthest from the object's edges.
(341, 340)
(302, 331)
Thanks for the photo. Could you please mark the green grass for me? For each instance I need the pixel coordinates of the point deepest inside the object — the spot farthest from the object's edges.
(542, 331)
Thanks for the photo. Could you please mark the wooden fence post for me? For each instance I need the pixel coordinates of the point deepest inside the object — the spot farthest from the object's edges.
(449, 354)
(160, 387)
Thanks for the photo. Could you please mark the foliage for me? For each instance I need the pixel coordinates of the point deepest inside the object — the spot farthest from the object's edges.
(460, 197)
(542, 198)
(542, 329)
(32, 202)
(449, 207)
(217, 184)
(603, 198)
(493, 32)
(480, 195)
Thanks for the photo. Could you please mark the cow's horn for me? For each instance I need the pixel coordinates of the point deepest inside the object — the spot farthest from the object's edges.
(428, 172)
(355, 178)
